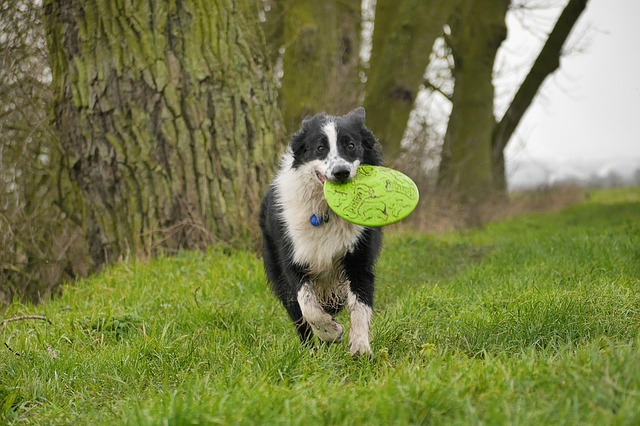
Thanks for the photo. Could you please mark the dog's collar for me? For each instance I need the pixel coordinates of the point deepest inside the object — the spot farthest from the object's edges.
(318, 220)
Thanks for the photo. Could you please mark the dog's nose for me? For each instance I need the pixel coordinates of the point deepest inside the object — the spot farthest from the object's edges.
(341, 173)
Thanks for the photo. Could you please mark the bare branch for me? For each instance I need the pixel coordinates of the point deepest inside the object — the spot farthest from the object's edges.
(429, 85)
(545, 64)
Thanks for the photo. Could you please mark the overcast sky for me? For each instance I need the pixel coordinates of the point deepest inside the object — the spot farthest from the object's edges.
(589, 110)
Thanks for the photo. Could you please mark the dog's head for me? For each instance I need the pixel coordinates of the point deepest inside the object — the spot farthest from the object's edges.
(333, 147)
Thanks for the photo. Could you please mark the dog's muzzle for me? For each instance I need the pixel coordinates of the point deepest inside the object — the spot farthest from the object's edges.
(341, 174)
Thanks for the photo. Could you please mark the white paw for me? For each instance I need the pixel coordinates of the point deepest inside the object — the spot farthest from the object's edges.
(359, 347)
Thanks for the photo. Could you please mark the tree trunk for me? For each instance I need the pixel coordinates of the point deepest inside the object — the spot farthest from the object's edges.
(403, 37)
(547, 62)
(168, 118)
(465, 167)
(322, 42)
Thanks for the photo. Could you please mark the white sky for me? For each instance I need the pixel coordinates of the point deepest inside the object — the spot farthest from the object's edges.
(589, 110)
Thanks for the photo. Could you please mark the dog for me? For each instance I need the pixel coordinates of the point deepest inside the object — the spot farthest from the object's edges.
(315, 261)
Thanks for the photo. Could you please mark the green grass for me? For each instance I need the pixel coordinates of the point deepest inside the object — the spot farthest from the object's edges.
(530, 321)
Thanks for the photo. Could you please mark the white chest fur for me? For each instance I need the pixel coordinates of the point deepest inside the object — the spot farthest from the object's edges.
(299, 194)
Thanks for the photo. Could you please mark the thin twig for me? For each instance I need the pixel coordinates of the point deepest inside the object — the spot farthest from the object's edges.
(197, 334)
(4, 323)
(195, 296)
(25, 317)
(11, 350)
(429, 85)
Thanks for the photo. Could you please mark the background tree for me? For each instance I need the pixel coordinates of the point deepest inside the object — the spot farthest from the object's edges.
(403, 37)
(37, 239)
(477, 31)
(321, 42)
(168, 119)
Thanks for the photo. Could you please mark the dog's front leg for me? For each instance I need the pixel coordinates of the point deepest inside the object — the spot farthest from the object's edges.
(358, 266)
(320, 321)
(360, 320)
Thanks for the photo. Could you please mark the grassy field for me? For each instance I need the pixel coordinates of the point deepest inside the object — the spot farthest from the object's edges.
(535, 320)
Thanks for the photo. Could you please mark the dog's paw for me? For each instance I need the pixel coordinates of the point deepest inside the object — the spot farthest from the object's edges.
(359, 348)
(330, 332)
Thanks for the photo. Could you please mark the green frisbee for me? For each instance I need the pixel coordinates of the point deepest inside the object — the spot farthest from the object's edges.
(376, 196)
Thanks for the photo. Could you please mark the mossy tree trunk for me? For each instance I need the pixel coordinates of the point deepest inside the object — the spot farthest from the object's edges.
(322, 42)
(466, 162)
(403, 37)
(168, 119)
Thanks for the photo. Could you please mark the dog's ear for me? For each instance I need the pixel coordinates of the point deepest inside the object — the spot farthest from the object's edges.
(306, 122)
(357, 116)
(297, 141)
(373, 149)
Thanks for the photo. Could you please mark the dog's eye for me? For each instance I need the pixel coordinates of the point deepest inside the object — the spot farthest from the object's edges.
(351, 146)
(321, 149)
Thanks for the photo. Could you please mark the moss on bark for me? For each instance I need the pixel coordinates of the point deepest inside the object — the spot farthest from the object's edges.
(168, 118)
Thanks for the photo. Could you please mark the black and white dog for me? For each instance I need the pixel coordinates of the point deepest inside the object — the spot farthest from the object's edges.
(315, 261)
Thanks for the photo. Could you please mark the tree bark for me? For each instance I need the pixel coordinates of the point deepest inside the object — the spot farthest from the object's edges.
(547, 62)
(465, 167)
(168, 119)
(322, 41)
(403, 37)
